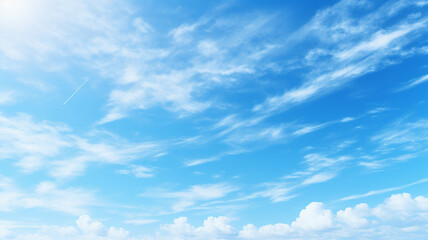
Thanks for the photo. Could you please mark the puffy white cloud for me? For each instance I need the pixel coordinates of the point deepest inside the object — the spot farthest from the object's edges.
(90, 227)
(180, 227)
(354, 217)
(212, 228)
(250, 231)
(403, 207)
(84, 229)
(400, 216)
(314, 218)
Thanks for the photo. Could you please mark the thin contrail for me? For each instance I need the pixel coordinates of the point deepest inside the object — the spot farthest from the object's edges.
(75, 92)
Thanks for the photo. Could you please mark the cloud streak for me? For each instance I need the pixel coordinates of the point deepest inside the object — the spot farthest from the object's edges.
(75, 91)
(376, 192)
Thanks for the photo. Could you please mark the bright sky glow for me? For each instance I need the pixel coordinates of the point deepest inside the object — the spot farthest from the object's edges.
(213, 120)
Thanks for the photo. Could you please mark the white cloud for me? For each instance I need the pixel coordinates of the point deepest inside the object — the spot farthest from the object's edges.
(45, 195)
(180, 88)
(279, 230)
(171, 90)
(85, 228)
(7, 97)
(361, 44)
(213, 228)
(372, 164)
(275, 192)
(410, 135)
(138, 171)
(354, 217)
(29, 142)
(308, 129)
(397, 142)
(196, 162)
(319, 178)
(182, 32)
(347, 119)
(376, 192)
(207, 47)
(141, 221)
(320, 168)
(54, 37)
(108, 39)
(317, 161)
(414, 82)
(314, 218)
(188, 198)
(201, 161)
(142, 26)
(90, 227)
(397, 215)
(379, 41)
(403, 207)
(34, 146)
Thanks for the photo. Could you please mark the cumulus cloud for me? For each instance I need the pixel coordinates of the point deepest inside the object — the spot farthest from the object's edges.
(85, 228)
(400, 216)
(354, 217)
(212, 228)
(403, 207)
(314, 218)
(90, 227)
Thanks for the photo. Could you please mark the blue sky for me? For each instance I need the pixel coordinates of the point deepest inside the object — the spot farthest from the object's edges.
(213, 120)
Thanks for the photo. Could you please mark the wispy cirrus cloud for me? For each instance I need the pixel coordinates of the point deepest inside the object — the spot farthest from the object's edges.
(138, 171)
(386, 190)
(180, 88)
(399, 141)
(46, 195)
(187, 198)
(414, 83)
(7, 97)
(35, 146)
(319, 168)
(399, 215)
(361, 46)
(410, 135)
